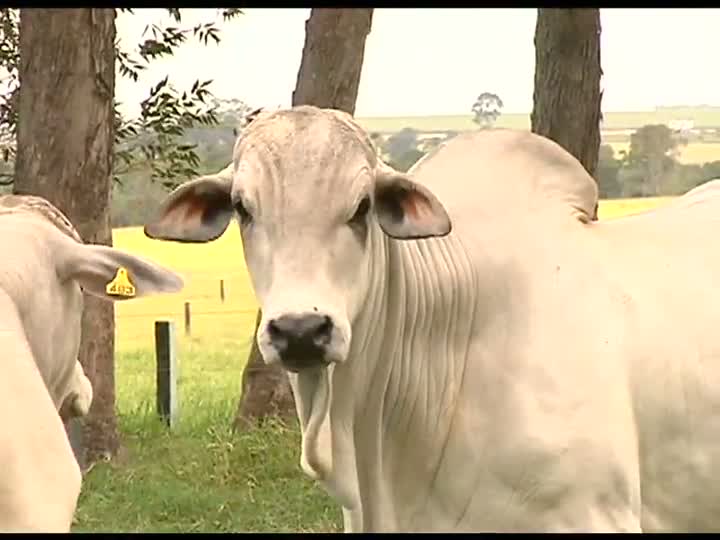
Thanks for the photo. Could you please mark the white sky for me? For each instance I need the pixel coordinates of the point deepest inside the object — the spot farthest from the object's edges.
(436, 61)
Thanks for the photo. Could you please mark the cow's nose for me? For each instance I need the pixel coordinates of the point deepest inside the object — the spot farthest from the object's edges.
(301, 340)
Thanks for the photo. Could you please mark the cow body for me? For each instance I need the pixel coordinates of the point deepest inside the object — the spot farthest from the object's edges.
(41, 303)
(529, 370)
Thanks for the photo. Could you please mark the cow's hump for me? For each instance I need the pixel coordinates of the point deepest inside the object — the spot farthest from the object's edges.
(506, 170)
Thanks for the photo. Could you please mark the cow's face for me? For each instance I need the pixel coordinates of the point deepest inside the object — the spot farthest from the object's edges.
(312, 200)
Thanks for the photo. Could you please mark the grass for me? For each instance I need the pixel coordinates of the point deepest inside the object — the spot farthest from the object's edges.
(200, 477)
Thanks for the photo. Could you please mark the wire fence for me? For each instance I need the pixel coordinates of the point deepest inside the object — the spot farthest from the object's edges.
(148, 315)
(229, 299)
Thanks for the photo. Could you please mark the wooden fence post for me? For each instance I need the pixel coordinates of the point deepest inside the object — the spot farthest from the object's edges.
(222, 291)
(167, 402)
(74, 430)
(187, 318)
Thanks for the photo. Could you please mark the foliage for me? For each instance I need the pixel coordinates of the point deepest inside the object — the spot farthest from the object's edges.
(407, 159)
(652, 142)
(607, 173)
(486, 109)
(156, 139)
(404, 148)
(651, 165)
(401, 142)
(651, 159)
(153, 140)
(9, 82)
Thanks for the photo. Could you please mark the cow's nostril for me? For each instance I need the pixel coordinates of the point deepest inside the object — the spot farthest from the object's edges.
(324, 330)
(300, 327)
(273, 329)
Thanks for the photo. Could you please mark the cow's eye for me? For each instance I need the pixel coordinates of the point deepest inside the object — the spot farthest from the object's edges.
(242, 212)
(361, 211)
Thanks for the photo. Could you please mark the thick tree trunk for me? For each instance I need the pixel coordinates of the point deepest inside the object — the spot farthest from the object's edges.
(329, 76)
(567, 96)
(64, 153)
(332, 59)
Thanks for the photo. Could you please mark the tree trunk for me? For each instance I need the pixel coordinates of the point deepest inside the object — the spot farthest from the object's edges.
(567, 96)
(329, 77)
(65, 140)
(329, 74)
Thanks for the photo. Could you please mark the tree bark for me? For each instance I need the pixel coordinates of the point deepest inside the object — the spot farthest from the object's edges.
(329, 77)
(567, 95)
(65, 141)
(332, 59)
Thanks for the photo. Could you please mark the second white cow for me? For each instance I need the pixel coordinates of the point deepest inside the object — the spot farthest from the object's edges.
(43, 271)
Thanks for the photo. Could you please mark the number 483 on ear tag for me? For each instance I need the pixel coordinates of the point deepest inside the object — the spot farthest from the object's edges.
(121, 284)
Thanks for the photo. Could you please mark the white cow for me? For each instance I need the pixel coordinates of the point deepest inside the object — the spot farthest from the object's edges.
(43, 267)
(467, 349)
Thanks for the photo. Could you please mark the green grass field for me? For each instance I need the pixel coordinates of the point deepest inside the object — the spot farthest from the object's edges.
(200, 477)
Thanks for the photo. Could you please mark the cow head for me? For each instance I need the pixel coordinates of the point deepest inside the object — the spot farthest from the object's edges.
(311, 198)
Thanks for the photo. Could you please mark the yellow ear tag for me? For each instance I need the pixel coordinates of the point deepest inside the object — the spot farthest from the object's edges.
(120, 285)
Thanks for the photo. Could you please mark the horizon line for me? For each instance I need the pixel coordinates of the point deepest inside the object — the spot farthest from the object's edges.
(623, 111)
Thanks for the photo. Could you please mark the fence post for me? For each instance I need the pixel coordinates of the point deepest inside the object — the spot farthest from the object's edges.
(187, 318)
(74, 430)
(167, 402)
(222, 291)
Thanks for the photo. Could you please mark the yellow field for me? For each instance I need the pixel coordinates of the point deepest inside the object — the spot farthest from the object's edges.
(202, 266)
(228, 324)
(694, 153)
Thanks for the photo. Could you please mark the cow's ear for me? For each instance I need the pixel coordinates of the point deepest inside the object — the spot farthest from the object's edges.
(406, 209)
(197, 211)
(112, 274)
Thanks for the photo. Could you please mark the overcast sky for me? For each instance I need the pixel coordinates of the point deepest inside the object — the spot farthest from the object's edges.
(436, 61)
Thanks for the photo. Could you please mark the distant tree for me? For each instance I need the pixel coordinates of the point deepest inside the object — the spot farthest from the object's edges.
(407, 159)
(652, 155)
(402, 149)
(329, 76)
(608, 169)
(711, 170)
(567, 96)
(401, 142)
(487, 109)
(681, 178)
(652, 141)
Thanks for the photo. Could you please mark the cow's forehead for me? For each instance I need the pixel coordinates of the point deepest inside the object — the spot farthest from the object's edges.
(300, 152)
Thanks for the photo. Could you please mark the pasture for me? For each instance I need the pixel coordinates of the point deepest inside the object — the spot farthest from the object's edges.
(703, 117)
(200, 477)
